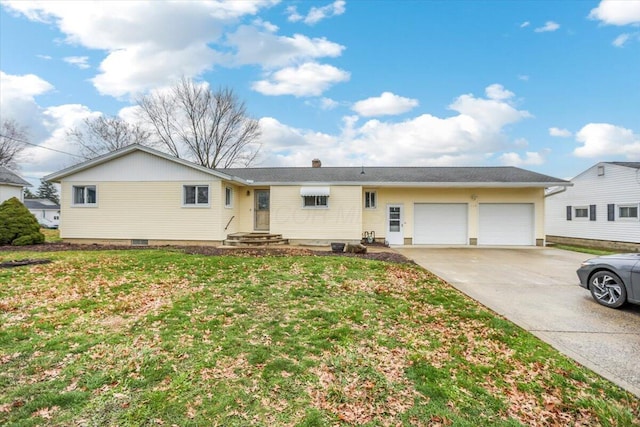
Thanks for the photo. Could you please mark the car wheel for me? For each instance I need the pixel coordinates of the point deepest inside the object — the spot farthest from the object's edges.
(607, 289)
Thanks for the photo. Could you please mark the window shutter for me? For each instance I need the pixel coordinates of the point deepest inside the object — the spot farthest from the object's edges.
(611, 212)
(568, 213)
(592, 212)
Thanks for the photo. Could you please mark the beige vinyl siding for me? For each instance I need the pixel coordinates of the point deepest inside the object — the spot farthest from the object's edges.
(342, 220)
(230, 216)
(375, 219)
(620, 185)
(139, 166)
(141, 210)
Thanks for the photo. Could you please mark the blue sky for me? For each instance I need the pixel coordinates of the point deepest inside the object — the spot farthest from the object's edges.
(551, 86)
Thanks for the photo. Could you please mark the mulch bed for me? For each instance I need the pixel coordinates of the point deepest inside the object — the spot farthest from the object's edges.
(388, 256)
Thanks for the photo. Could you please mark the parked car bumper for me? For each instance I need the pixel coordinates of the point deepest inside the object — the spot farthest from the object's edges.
(583, 275)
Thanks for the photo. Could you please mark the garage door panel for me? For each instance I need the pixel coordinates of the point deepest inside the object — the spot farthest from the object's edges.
(506, 224)
(440, 224)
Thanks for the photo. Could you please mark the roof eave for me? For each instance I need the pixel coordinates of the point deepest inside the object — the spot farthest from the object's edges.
(57, 176)
(417, 184)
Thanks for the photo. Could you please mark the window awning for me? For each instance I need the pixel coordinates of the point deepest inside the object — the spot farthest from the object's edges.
(314, 191)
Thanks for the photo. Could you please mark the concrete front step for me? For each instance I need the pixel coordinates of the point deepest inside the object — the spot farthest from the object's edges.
(254, 239)
(255, 242)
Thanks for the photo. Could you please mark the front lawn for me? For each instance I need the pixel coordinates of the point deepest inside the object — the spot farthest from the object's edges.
(158, 337)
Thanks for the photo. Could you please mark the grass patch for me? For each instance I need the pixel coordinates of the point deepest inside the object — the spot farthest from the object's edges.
(585, 250)
(51, 236)
(157, 337)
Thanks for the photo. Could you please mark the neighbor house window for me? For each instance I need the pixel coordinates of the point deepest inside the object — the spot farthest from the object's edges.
(316, 201)
(84, 195)
(628, 211)
(228, 197)
(370, 199)
(196, 195)
(581, 212)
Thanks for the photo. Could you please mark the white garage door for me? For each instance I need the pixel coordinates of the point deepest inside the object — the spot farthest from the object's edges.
(506, 224)
(440, 224)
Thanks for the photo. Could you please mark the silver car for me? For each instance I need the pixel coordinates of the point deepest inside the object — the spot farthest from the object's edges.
(612, 279)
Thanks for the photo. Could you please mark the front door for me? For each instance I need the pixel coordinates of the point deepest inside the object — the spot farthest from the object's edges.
(395, 227)
(261, 210)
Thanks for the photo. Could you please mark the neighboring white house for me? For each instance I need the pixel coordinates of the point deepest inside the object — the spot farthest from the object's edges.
(601, 207)
(137, 195)
(11, 185)
(44, 208)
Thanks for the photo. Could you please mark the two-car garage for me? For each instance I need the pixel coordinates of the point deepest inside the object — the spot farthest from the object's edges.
(497, 224)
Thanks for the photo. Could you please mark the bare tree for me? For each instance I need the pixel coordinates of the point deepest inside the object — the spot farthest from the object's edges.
(102, 135)
(210, 128)
(13, 139)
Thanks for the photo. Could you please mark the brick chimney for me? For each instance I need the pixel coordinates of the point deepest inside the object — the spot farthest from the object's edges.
(316, 163)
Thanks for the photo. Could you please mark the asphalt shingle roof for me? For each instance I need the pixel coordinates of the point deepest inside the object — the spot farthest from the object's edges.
(635, 165)
(11, 178)
(37, 204)
(397, 175)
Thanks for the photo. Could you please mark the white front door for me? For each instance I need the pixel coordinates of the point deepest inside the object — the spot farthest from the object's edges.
(395, 227)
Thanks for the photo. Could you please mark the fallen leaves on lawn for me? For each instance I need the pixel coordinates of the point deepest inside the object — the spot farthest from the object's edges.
(345, 389)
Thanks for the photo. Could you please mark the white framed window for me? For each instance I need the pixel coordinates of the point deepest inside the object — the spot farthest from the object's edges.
(370, 200)
(316, 201)
(581, 212)
(628, 211)
(195, 195)
(85, 195)
(228, 197)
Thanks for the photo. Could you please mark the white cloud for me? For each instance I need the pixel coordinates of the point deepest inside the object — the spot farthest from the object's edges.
(148, 69)
(81, 62)
(464, 138)
(523, 77)
(562, 133)
(269, 50)
(309, 79)
(328, 104)
(619, 13)
(17, 101)
(607, 141)
(317, 14)
(620, 40)
(45, 57)
(525, 24)
(497, 91)
(22, 87)
(140, 50)
(549, 26)
(531, 158)
(387, 104)
(624, 38)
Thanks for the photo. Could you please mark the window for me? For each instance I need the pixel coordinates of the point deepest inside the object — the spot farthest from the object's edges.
(196, 195)
(601, 170)
(316, 201)
(628, 211)
(84, 195)
(370, 199)
(581, 212)
(228, 197)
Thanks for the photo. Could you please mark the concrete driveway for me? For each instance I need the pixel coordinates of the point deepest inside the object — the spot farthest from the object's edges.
(537, 289)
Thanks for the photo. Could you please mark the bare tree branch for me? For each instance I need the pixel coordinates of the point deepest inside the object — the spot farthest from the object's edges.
(210, 128)
(102, 135)
(13, 138)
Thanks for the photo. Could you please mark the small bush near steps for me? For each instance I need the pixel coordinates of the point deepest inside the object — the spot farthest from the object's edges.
(18, 226)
